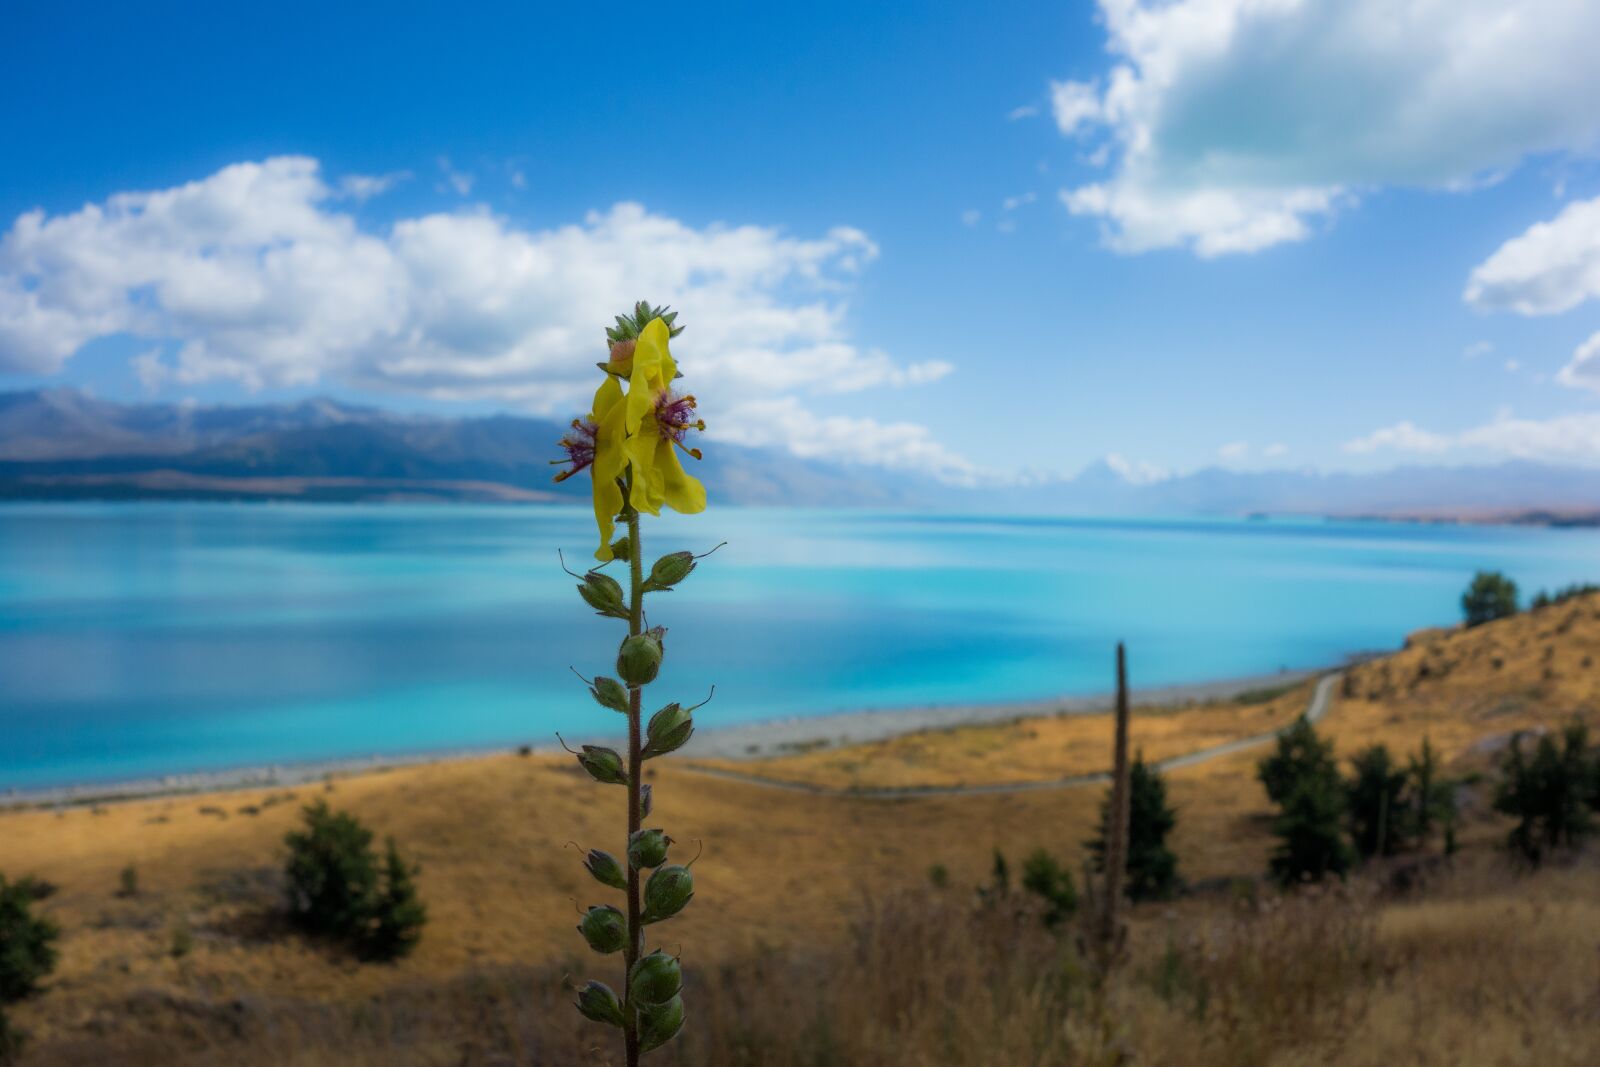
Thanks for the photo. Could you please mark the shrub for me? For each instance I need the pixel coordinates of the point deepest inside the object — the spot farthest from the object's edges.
(336, 889)
(1545, 599)
(1152, 872)
(1303, 780)
(1550, 794)
(1301, 754)
(1052, 883)
(1490, 596)
(399, 913)
(128, 882)
(333, 875)
(1377, 800)
(27, 941)
(1433, 798)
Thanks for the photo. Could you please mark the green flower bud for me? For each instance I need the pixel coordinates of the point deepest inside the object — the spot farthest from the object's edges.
(603, 765)
(669, 570)
(666, 893)
(605, 928)
(606, 869)
(648, 848)
(610, 693)
(620, 548)
(639, 659)
(597, 1002)
(602, 593)
(645, 800)
(656, 978)
(669, 730)
(658, 1023)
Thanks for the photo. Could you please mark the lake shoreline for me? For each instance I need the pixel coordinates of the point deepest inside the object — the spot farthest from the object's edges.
(749, 741)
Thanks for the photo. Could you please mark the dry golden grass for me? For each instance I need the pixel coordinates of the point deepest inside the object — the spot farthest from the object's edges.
(503, 892)
(1027, 750)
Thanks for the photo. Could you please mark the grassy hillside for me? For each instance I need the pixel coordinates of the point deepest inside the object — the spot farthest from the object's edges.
(795, 890)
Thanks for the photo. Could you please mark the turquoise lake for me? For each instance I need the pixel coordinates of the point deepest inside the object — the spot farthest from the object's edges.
(145, 639)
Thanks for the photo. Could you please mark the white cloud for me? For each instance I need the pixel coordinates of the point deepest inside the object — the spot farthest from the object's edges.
(1136, 472)
(1571, 438)
(459, 180)
(1011, 203)
(1513, 365)
(1239, 124)
(1584, 370)
(1026, 111)
(1075, 105)
(362, 187)
(1234, 450)
(1402, 436)
(1276, 450)
(971, 217)
(1476, 349)
(899, 445)
(255, 274)
(1552, 267)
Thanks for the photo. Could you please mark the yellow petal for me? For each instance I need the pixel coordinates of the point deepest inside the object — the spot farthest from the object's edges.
(681, 491)
(647, 492)
(610, 459)
(653, 370)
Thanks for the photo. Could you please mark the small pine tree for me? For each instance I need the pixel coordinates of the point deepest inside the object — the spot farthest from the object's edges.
(27, 941)
(1301, 754)
(1152, 871)
(1490, 596)
(1052, 883)
(1433, 798)
(1309, 827)
(1549, 794)
(1378, 804)
(1302, 779)
(332, 873)
(398, 913)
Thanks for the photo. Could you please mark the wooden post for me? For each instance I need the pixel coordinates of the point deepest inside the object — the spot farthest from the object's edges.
(1116, 856)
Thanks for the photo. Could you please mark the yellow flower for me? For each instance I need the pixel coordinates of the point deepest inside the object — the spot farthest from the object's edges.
(638, 433)
(658, 419)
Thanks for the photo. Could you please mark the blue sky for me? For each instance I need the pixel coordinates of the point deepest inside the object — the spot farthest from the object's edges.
(979, 241)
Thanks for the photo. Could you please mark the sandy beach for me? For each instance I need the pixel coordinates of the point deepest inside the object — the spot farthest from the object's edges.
(747, 741)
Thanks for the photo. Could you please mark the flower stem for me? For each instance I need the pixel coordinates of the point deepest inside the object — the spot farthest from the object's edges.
(631, 951)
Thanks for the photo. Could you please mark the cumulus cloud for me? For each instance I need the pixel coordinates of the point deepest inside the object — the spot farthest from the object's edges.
(1276, 450)
(256, 274)
(1571, 438)
(1235, 125)
(1234, 450)
(1584, 370)
(900, 445)
(1552, 267)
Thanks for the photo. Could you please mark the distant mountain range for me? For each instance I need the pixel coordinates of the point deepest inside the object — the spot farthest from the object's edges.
(62, 444)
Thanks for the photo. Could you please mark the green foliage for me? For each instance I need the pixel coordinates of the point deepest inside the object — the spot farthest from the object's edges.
(1550, 795)
(1548, 598)
(399, 913)
(1433, 798)
(939, 875)
(27, 942)
(1490, 596)
(1152, 871)
(337, 890)
(1378, 801)
(1302, 779)
(128, 882)
(332, 872)
(1052, 883)
(1301, 754)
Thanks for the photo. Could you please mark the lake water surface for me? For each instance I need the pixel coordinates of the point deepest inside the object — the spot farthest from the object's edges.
(146, 639)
